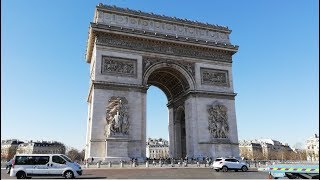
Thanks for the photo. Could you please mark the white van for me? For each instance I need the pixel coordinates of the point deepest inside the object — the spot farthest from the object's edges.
(28, 165)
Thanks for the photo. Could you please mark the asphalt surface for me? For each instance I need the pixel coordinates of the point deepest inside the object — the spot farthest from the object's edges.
(159, 173)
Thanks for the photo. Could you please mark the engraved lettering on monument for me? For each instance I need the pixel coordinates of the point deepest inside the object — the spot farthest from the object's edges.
(214, 77)
(118, 66)
(117, 117)
(218, 121)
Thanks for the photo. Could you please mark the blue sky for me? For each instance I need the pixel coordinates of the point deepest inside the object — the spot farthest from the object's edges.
(45, 79)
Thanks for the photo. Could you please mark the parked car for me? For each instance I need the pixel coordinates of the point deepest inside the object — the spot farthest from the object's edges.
(8, 166)
(225, 164)
(28, 165)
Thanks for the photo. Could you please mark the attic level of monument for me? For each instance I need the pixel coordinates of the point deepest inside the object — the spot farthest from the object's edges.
(164, 29)
(163, 18)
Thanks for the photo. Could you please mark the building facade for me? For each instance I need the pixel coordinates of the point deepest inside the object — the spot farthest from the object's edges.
(250, 150)
(157, 148)
(41, 147)
(312, 148)
(9, 148)
(265, 149)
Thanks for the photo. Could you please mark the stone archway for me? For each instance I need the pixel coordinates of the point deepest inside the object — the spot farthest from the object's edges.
(174, 81)
(191, 62)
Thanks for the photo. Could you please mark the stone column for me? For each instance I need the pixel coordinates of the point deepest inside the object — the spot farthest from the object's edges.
(171, 127)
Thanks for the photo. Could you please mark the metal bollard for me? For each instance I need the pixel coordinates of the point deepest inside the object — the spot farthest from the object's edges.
(198, 164)
(147, 164)
(87, 165)
(121, 164)
(98, 164)
(110, 164)
(134, 164)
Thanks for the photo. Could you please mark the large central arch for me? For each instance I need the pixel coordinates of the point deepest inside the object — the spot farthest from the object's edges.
(191, 62)
(174, 81)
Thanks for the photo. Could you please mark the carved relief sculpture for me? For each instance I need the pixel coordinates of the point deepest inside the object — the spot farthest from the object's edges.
(118, 66)
(150, 61)
(218, 121)
(164, 48)
(214, 77)
(117, 117)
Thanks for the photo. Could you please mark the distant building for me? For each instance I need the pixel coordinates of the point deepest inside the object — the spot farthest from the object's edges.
(41, 147)
(157, 148)
(250, 150)
(9, 148)
(265, 149)
(312, 148)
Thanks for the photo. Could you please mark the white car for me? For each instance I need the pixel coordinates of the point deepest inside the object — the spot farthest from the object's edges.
(225, 164)
(29, 165)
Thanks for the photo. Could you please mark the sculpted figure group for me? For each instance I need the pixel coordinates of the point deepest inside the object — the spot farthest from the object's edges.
(117, 117)
(218, 121)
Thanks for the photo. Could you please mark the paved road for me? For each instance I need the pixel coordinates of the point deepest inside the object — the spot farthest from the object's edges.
(159, 173)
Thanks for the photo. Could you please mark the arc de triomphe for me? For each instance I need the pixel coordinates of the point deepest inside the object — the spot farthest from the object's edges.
(191, 62)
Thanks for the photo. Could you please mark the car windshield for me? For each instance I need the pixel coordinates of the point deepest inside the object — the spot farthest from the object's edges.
(66, 158)
(218, 159)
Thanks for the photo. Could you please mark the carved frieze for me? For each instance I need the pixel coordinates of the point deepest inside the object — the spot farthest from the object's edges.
(218, 121)
(118, 66)
(218, 34)
(214, 77)
(117, 117)
(150, 61)
(162, 47)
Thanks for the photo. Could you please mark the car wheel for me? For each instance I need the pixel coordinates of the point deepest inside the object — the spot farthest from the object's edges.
(224, 169)
(244, 168)
(68, 175)
(21, 175)
(217, 170)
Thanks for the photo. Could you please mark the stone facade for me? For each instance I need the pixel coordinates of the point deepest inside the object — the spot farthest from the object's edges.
(9, 148)
(157, 148)
(312, 148)
(191, 62)
(266, 149)
(41, 147)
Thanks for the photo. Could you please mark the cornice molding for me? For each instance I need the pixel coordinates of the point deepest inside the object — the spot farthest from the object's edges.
(160, 47)
(162, 36)
(119, 86)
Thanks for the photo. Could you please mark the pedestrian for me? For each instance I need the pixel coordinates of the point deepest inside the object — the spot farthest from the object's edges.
(154, 162)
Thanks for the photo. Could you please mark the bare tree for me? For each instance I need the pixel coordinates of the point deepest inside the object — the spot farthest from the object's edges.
(74, 154)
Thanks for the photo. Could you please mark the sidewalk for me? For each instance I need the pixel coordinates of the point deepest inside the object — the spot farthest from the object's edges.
(143, 166)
